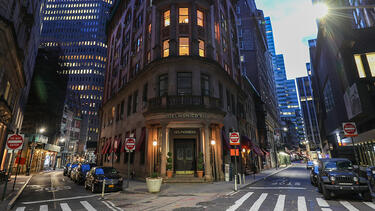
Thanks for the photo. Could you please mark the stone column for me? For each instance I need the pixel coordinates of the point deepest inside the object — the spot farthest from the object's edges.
(164, 137)
(207, 154)
(219, 152)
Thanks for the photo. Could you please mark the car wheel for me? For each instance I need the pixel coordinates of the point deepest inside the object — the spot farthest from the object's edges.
(367, 196)
(326, 194)
(93, 188)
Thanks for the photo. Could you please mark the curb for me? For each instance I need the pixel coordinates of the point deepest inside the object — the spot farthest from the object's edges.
(257, 180)
(14, 199)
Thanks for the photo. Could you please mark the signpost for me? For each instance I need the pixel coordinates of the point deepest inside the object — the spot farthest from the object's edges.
(13, 144)
(350, 130)
(129, 146)
(234, 138)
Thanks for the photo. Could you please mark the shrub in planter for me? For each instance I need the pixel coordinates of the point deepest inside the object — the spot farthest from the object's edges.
(154, 183)
(200, 165)
(169, 165)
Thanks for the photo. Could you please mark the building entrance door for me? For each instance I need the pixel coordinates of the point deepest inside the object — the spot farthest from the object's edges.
(184, 156)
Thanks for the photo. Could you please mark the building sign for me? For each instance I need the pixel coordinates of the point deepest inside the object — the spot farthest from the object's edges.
(187, 116)
(352, 101)
(52, 147)
(184, 132)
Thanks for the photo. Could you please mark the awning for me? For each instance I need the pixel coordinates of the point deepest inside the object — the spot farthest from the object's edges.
(225, 140)
(112, 146)
(253, 146)
(116, 145)
(106, 146)
(141, 140)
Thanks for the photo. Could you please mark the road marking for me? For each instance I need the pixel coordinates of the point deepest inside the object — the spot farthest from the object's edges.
(297, 184)
(277, 188)
(322, 202)
(280, 203)
(65, 207)
(259, 202)
(239, 202)
(326, 209)
(370, 204)
(87, 206)
(348, 206)
(20, 208)
(302, 203)
(61, 199)
(114, 206)
(109, 206)
(43, 208)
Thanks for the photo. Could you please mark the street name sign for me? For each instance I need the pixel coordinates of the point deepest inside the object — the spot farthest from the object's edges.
(234, 138)
(350, 129)
(14, 141)
(130, 144)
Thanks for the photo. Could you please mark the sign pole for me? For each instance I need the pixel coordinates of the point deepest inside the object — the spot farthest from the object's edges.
(18, 165)
(235, 166)
(127, 182)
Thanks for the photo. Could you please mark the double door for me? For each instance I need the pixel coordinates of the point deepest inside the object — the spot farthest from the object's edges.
(184, 156)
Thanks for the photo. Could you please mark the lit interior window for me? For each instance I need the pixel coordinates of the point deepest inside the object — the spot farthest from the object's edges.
(184, 46)
(165, 48)
(183, 15)
(201, 48)
(200, 19)
(360, 68)
(167, 18)
(371, 62)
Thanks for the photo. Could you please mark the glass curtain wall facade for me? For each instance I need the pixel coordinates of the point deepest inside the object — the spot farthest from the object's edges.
(78, 28)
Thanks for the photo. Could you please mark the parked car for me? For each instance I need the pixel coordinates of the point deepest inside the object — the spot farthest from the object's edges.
(314, 175)
(66, 167)
(71, 167)
(310, 164)
(337, 175)
(73, 173)
(81, 171)
(96, 176)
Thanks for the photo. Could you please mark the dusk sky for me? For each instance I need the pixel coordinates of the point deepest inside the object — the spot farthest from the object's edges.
(293, 25)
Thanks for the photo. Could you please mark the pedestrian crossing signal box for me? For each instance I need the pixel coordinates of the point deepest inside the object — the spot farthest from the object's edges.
(234, 152)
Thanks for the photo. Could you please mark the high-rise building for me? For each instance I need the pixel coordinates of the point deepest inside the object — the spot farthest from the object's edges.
(285, 89)
(308, 110)
(256, 64)
(78, 27)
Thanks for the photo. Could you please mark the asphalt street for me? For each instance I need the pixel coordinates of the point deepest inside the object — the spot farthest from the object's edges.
(53, 191)
(288, 190)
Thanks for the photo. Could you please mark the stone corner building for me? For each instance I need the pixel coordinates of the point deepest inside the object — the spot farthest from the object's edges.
(173, 82)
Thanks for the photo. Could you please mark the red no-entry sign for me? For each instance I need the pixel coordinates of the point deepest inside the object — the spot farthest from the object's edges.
(350, 129)
(15, 141)
(234, 138)
(130, 144)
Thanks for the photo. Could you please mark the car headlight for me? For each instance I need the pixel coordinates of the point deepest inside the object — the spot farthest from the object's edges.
(355, 179)
(332, 178)
(373, 171)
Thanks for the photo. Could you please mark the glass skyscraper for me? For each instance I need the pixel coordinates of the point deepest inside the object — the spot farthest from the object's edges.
(78, 27)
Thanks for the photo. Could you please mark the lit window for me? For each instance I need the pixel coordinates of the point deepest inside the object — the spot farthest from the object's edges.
(184, 46)
(360, 68)
(139, 43)
(200, 19)
(167, 18)
(201, 48)
(165, 48)
(183, 15)
(371, 63)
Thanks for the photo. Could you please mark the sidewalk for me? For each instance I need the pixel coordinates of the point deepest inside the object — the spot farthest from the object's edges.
(178, 195)
(10, 193)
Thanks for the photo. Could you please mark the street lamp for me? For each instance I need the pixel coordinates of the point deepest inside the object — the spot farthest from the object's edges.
(154, 143)
(42, 130)
(213, 142)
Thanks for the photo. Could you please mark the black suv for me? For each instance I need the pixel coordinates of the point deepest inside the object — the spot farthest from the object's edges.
(337, 175)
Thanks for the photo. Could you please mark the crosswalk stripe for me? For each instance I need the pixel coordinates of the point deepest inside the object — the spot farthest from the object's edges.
(302, 203)
(370, 204)
(348, 206)
(239, 202)
(43, 208)
(322, 202)
(20, 208)
(280, 203)
(326, 209)
(259, 202)
(65, 207)
(87, 206)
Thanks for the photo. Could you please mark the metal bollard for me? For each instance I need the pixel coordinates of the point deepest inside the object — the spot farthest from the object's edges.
(103, 189)
(244, 179)
(235, 183)
(240, 179)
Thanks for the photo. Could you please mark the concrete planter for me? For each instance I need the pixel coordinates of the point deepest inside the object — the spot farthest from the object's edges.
(154, 184)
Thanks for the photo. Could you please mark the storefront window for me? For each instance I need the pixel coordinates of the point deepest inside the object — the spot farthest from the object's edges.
(183, 15)
(163, 85)
(167, 18)
(183, 46)
(184, 84)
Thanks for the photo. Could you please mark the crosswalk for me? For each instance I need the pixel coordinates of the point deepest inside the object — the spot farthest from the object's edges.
(254, 202)
(65, 207)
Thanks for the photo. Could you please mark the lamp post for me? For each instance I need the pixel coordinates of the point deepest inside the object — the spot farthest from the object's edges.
(154, 144)
(213, 158)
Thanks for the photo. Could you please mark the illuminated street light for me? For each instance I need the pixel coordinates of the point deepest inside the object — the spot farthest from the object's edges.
(62, 140)
(320, 10)
(154, 143)
(213, 142)
(42, 130)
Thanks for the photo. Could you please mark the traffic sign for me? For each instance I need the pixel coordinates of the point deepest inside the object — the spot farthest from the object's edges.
(15, 141)
(234, 138)
(350, 129)
(130, 144)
